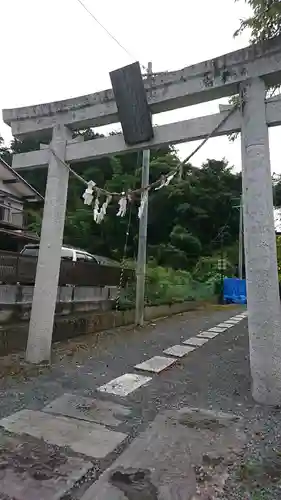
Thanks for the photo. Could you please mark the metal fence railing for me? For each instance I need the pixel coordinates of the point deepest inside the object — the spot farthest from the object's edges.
(16, 268)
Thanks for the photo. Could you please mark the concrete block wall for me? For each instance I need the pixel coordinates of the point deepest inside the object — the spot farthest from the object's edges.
(13, 336)
(16, 300)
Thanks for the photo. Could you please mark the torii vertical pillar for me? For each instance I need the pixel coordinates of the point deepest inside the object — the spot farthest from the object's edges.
(264, 317)
(49, 259)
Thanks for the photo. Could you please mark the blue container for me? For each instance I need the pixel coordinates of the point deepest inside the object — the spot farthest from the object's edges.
(234, 291)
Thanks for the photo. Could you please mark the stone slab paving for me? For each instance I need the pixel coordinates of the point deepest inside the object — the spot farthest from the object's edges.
(217, 329)
(124, 385)
(182, 455)
(234, 320)
(87, 414)
(208, 335)
(156, 364)
(92, 410)
(88, 438)
(195, 341)
(179, 351)
(33, 470)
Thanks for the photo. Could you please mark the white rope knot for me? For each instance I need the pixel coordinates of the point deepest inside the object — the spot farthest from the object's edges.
(165, 181)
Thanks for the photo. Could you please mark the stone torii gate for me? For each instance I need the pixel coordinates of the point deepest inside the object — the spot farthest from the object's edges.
(248, 72)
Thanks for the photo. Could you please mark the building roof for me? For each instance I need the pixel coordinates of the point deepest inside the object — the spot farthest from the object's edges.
(21, 187)
(20, 234)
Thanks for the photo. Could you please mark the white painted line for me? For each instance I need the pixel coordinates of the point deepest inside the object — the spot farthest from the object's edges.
(156, 364)
(179, 350)
(195, 341)
(224, 325)
(227, 324)
(208, 335)
(124, 385)
(217, 329)
(240, 317)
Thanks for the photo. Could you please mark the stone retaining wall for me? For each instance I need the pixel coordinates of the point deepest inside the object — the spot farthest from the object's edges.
(13, 337)
(16, 300)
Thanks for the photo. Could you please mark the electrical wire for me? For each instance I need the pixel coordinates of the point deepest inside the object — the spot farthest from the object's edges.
(109, 34)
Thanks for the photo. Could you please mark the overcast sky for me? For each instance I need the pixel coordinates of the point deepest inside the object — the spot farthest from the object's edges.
(54, 50)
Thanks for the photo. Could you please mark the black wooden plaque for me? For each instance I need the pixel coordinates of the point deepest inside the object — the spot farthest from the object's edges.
(131, 101)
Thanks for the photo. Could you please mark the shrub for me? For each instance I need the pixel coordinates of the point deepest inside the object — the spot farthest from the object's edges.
(167, 286)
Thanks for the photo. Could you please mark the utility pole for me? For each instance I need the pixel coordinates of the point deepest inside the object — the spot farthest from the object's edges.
(142, 244)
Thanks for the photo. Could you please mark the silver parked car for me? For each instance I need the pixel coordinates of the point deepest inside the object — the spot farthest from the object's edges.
(73, 254)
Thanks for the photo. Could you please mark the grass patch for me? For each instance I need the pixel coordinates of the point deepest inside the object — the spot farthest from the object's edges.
(168, 286)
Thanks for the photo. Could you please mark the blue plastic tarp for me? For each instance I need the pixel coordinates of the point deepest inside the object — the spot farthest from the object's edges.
(234, 291)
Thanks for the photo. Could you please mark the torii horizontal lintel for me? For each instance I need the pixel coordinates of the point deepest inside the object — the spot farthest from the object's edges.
(205, 81)
(173, 133)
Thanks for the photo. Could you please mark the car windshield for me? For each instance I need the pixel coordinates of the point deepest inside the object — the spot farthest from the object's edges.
(30, 251)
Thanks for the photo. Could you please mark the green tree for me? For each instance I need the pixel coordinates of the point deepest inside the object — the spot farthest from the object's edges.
(265, 21)
(184, 217)
(264, 24)
(186, 242)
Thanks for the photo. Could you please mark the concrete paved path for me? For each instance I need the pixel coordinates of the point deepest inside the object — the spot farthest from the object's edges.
(99, 395)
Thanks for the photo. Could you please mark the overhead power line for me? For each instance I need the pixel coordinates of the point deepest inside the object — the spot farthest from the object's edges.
(109, 34)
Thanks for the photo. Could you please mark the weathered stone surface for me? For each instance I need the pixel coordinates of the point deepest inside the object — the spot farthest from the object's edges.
(217, 329)
(207, 335)
(227, 324)
(195, 341)
(124, 385)
(134, 483)
(87, 438)
(92, 410)
(156, 364)
(179, 350)
(183, 455)
(206, 419)
(33, 470)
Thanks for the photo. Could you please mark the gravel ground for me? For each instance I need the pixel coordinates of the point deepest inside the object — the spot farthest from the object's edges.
(257, 473)
(215, 376)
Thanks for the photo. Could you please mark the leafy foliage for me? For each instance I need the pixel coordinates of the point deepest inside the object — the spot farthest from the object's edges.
(277, 190)
(265, 22)
(184, 220)
(167, 286)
